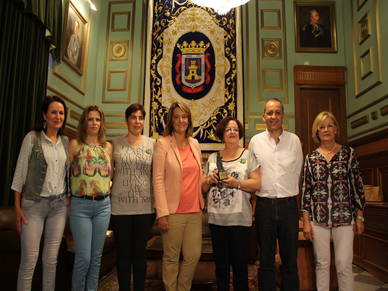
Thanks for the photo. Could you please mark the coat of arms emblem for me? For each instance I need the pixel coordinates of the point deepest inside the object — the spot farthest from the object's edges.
(193, 66)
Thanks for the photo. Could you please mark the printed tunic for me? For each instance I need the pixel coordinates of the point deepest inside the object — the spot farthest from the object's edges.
(332, 191)
(132, 190)
(231, 206)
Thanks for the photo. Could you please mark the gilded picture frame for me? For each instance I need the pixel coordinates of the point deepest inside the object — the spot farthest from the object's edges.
(315, 27)
(74, 39)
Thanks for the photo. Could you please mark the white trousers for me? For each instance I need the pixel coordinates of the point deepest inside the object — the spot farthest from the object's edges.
(343, 252)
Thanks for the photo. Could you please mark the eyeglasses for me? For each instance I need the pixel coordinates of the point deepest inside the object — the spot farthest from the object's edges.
(230, 129)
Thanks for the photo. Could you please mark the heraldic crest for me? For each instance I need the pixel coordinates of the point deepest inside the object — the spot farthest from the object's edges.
(193, 60)
(193, 66)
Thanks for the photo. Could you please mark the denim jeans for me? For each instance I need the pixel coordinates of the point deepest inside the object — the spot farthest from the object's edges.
(277, 221)
(131, 234)
(89, 222)
(48, 214)
(230, 244)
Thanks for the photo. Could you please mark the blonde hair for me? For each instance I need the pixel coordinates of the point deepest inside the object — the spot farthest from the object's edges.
(82, 125)
(318, 121)
(169, 126)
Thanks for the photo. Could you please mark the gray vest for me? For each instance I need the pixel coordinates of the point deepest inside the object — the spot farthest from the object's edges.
(37, 168)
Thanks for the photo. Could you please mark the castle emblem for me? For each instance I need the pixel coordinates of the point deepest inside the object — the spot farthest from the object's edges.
(193, 65)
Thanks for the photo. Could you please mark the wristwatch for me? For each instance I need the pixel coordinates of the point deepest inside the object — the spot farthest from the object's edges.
(359, 217)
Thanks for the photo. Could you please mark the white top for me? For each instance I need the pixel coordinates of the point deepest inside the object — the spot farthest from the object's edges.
(281, 164)
(231, 206)
(55, 156)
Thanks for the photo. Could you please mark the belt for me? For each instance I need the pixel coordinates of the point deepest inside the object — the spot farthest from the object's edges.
(94, 198)
(275, 201)
(54, 197)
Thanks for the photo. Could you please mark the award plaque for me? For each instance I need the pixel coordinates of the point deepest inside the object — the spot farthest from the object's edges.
(221, 171)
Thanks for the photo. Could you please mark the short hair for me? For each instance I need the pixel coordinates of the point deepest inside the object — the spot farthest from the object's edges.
(133, 108)
(318, 121)
(40, 124)
(82, 125)
(277, 100)
(169, 129)
(220, 129)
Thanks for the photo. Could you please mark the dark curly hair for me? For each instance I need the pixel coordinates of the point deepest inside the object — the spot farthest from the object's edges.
(220, 129)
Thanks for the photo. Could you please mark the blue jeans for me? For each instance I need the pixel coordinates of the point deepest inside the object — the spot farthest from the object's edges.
(48, 214)
(277, 220)
(89, 222)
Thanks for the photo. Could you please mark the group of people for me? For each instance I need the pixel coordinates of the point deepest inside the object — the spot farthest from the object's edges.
(164, 180)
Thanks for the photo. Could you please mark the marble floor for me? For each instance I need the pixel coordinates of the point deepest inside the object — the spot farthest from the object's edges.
(363, 282)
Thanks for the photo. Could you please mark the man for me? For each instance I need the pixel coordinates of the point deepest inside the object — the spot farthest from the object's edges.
(280, 155)
(314, 34)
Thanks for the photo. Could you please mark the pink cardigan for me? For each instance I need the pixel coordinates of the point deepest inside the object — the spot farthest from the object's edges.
(167, 174)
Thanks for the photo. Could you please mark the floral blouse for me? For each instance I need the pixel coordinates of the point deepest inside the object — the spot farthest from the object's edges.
(90, 171)
(332, 191)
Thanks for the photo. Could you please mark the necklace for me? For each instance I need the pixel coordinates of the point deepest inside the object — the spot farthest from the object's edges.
(327, 154)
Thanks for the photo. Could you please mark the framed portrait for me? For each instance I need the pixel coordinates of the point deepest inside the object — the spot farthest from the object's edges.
(74, 39)
(315, 27)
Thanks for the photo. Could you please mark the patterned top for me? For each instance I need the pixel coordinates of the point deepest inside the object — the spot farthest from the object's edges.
(231, 206)
(132, 183)
(90, 171)
(332, 191)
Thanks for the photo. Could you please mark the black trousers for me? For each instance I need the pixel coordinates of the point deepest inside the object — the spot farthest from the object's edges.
(277, 220)
(131, 234)
(230, 244)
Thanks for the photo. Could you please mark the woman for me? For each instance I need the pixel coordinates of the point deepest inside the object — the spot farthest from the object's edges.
(40, 185)
(90, 175)
(132, 211)
(178, 200)
(229, 207)
(332, 203)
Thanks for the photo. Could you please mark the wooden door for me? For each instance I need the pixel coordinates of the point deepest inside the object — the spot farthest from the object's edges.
(318, 89)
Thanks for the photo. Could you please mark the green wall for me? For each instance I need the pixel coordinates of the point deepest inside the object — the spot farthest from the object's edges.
(367, 63)
(114, 63)
(373, 102)
(113, 80)
(261, 22)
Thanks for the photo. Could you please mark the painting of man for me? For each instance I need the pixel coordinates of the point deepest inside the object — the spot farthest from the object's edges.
(315, 27)
(314, 34)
